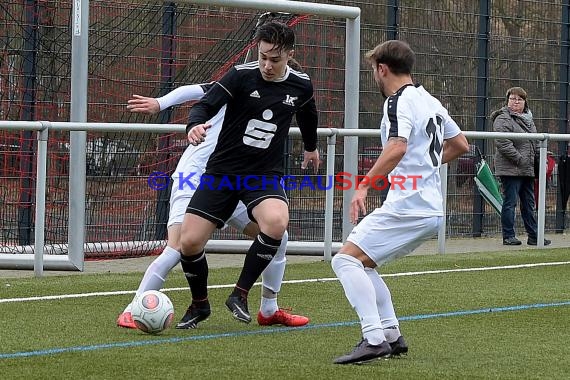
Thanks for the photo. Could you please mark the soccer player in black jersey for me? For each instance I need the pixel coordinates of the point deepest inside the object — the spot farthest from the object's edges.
(247, 163)
(194, 160)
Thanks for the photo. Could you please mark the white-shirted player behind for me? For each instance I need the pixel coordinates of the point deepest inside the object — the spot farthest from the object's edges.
(418, 135)
(194, 160)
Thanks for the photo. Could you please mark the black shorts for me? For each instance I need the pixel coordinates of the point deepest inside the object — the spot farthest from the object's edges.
(217, 196)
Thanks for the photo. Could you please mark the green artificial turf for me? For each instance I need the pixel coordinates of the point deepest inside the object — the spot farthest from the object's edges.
(453, 323)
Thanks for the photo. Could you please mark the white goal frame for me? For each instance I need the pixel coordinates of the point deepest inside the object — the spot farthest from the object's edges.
(74, 259)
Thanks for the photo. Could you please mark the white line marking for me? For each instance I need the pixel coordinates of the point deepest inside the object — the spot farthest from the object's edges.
(402, 274)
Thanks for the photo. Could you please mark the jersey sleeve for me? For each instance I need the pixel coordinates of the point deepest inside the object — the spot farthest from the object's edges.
(450, 127)
(308, 119)
(219, 94)
(399, 112)
(181, 95)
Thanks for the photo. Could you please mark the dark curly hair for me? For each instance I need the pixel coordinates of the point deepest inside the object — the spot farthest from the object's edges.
(276, 33)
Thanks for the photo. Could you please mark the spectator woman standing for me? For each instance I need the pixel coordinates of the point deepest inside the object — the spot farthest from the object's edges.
(514, 164)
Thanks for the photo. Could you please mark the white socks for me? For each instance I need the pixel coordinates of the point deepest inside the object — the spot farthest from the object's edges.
(268, 305)
(392, 333)
(361, 294)
(383, 300)
(272, 278)
(156, 273)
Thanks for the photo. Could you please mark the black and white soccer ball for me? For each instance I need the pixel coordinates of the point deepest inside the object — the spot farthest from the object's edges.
(152, 311)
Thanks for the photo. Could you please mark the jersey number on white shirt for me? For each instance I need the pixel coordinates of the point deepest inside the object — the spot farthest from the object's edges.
(435, 133)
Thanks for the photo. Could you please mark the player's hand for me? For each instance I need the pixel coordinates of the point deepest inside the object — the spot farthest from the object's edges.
(357, 204)
(197, 134)
(311, 157)
(143, 104)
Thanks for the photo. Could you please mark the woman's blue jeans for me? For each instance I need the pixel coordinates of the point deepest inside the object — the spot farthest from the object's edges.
(518, 188)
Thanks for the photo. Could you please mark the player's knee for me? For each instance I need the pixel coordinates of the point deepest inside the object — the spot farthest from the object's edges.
(190, 246)
(272, 216)
(342, 260)
(274, 225)
(185, 247)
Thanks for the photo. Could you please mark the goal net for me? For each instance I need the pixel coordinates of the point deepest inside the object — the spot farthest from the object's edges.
(146, 48)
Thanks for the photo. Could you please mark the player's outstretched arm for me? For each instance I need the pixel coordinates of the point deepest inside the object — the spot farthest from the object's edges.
(179, 95)
(143, 104)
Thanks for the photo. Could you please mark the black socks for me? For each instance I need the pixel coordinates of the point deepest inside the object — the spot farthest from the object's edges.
(256, 260)
(196, 271)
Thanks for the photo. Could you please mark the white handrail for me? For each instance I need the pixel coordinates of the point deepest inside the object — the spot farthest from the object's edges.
(7, 260)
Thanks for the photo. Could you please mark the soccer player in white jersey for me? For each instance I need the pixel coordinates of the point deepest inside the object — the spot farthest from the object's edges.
(418, 136)
(247, 162)
(194, 160)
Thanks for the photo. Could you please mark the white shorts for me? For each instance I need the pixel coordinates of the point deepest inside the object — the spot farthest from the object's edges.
(179, 198)
(385, 237)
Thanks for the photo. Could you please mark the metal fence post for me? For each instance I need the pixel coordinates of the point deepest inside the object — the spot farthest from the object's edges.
(78, 139)
(393, 19)
(351, 106)
(41, 173)
(541, 192)
(443, 227)
(329, 200)
(167, 74)
(482, 104)
(563, 102)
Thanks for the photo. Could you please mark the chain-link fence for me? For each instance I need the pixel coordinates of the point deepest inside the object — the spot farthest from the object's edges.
(468, 54)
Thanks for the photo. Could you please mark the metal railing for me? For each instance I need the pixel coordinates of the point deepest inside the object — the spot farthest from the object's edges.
(74, 259)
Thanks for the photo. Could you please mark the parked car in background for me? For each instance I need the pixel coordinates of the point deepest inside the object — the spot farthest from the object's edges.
(109, 157)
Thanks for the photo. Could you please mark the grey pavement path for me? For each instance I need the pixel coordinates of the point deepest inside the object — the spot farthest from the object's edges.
(453, 246)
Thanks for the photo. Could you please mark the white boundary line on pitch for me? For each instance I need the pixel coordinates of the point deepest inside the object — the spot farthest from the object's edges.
(402, 274)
